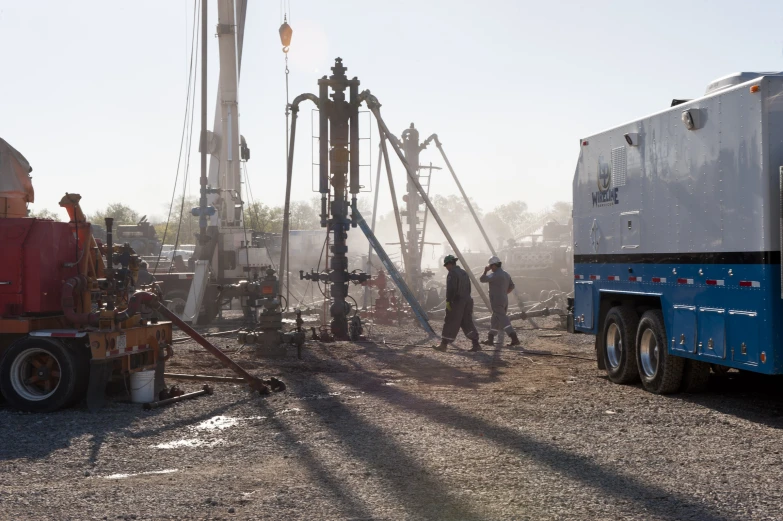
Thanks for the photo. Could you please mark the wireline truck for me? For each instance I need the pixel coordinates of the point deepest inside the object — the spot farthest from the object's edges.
(677, 238)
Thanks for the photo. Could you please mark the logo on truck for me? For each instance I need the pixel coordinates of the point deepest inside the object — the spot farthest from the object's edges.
(606, 195)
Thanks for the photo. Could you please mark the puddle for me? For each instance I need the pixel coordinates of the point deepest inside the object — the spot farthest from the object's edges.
(217, 422)
(189, 443)
(123, 476)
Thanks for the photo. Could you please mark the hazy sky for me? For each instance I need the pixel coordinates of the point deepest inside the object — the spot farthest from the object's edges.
(93, 92)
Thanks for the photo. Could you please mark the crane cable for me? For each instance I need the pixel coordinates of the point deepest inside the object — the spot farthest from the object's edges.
(188, 113)
(287, 273)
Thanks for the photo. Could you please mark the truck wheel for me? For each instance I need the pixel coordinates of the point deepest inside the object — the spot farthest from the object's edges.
(661, 372)
(695, 376)
(619, 348)
(177, 299)
(40, 375)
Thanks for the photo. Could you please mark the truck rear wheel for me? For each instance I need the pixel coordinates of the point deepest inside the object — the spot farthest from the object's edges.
(661, 372)
(619, 347)
(40, 375)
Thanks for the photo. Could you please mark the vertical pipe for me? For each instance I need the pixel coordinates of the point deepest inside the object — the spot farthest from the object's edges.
(372, 226)
(109, 241)
(354, 148)
(385, 153)
(202, 218)
(110, 262)
(283, 267)
(323, 148)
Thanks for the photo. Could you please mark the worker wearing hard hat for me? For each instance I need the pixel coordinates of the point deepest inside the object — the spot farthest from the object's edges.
(500, 285)
(459, 306)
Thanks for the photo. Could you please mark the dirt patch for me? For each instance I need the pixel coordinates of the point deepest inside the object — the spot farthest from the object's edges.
(390, 429)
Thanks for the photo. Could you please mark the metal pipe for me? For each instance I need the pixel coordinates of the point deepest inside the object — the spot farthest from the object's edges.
(202, 218)
(374, 106)
(522, 315)
(385, 152)
(204, 377)
(323, 146)
(367, 289)
(354, 141)
(154, 405)
(283, 265)
(109, 221)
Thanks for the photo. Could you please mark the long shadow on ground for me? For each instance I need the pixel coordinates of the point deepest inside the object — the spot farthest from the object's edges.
(607, 482)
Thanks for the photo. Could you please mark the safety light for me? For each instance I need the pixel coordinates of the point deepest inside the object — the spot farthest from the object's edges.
(285, 36)
(754, 89)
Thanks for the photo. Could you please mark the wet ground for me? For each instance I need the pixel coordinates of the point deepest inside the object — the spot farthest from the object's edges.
(397, 431)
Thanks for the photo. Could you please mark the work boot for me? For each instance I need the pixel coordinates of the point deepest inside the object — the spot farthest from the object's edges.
(490, 341)
(442, 346)
(476, 346)
(514, 339)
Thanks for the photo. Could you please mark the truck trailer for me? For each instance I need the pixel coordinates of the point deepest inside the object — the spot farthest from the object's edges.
(677, 238)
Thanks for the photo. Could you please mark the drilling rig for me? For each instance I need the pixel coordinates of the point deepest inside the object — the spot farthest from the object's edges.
(338, 167)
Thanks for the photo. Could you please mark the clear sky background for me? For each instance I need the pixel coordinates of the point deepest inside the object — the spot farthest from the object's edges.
(93, 92)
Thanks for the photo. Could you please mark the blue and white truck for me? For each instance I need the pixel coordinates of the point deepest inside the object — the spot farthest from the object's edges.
(677, 238)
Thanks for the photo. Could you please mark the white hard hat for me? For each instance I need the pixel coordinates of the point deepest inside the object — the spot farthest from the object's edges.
(493, 260)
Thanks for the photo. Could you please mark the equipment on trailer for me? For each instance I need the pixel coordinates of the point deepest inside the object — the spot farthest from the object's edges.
(677, 223)
(71, 315)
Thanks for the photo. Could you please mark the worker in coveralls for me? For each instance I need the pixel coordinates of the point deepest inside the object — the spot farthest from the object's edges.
(500, 285)
(144, 277)
(459, 306)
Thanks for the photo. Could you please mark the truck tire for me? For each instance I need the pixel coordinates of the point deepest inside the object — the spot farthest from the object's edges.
(177, 299)
(619, 347)
(660, 372)
(695, 376)
(40, 375)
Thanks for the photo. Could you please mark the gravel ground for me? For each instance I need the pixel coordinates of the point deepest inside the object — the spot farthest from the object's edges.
(378, 431)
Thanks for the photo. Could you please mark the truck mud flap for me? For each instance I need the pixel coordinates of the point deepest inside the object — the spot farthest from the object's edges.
(599, 351)
(100, 372)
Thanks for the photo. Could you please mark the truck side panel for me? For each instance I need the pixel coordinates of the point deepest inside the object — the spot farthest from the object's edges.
(691, 220)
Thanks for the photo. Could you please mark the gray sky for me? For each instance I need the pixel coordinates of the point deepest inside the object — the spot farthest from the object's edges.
(93, 92)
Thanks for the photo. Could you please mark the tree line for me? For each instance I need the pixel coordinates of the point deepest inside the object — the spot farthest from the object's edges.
(506, 220)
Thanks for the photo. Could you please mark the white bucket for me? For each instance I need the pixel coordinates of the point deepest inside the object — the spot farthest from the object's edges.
(142, 387)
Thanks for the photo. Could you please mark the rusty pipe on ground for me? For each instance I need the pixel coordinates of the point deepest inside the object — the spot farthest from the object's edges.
(204, 377)
(71, 286)
(275, 384)
(154, 405)
(252, 381)
(525, 315)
